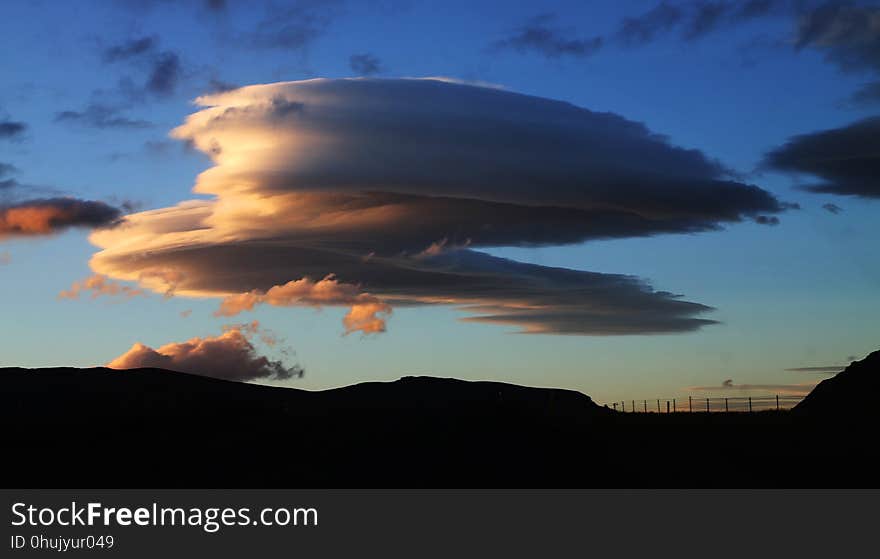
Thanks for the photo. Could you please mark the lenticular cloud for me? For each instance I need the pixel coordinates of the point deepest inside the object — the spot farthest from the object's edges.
(392, 188)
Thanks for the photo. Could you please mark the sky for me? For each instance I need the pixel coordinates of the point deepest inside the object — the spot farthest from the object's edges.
(633, 200)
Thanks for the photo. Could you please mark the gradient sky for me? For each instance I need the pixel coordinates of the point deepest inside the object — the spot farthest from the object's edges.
(733, 84)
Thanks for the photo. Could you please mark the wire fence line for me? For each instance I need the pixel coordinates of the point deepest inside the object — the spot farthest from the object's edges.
(693, 404)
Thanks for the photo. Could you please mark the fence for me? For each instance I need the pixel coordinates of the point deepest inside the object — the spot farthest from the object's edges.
(695, 404)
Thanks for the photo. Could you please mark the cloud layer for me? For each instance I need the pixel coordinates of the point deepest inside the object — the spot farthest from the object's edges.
(229, 356)
(379, 183)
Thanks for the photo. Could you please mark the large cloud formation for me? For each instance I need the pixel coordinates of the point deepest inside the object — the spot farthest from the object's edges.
(50, 215)
(845, 159)
(381, 182)
(230, 356)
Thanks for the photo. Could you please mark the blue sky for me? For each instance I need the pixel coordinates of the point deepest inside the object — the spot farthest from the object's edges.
(802, 293)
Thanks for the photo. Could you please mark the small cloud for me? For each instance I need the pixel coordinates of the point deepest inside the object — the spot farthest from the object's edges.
(186, 313)
(51, 215)
(364, 64)
(6, 182)
(642, 29)
(540, 36)
(216, 85)
(229, 356)
(99, 286)
(97, 115)
(132, 48)
(832, 208)
(293, 27)
(12, 130)
(164, 69)
(5, 258)
(766, 220)
(728, 385)
(165, 74)
(215, 5)
(826, 369)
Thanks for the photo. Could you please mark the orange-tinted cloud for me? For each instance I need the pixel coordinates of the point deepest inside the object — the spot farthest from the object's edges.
(368, 317)
(50, 215)
(229, 356)
(368, 314)
(100, 285)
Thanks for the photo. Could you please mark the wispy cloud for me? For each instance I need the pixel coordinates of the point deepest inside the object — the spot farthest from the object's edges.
(540, 35)
(729, 386)
(97, 115)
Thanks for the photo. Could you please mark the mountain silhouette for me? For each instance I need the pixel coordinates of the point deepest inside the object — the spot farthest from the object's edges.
(850, 395)
(154, 428)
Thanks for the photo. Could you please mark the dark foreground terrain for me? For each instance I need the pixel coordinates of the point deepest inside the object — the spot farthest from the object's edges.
(153, 428)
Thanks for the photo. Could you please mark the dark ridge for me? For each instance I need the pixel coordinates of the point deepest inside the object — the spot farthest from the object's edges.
(850, 395)
(153, 428)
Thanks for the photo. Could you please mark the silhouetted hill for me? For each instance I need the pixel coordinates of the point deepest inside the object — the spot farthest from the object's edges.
(155, 428)
(851, 395)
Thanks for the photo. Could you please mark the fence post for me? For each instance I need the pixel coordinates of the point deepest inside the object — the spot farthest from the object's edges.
(658, 406)
(750, 404)
(634, 406)
(673, 405)
(646, 406)
(777, 402)
(707, 405)
(667, 406)
(615, 406)
(690, 404)
(726, 408)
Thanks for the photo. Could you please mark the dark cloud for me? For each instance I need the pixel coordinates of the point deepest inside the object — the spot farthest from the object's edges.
(846, 160)
(832, 208)
(728, 386)
(219, 86)
(539, 35)
(868, 94)
(828, 369)
(215, 5)
(401, 174)
(848, 34)
(97, 115)
(165, 74)
(766, 220)
(757, 8)
(643, 29)
(163, 69)
(50, 215)
(694, 20)
(295, 26)
(11, 130)
(230, 356)
(6, 182)
(130, 49)
(706, 18)
(364, 64)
